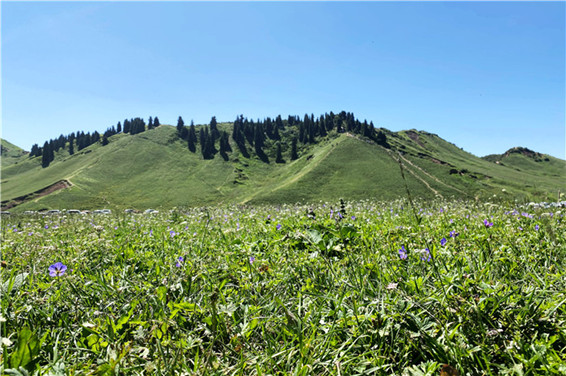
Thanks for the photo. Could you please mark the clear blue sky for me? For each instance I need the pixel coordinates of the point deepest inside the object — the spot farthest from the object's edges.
(486, 76)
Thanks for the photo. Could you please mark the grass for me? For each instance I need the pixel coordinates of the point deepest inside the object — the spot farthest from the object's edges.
(317, 289)
(10, 153)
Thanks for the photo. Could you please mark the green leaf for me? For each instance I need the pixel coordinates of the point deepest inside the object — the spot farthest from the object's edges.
(14, 284)
(26, 350)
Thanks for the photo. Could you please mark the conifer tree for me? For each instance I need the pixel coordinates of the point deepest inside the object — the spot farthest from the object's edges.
(156, 122)
(180, 126)
(47, 154)
(126, 126)
(150, 123)
(214, 128)
(202, 141)
(184, 133)
(210, 148)
(294, 154)
(278, 155)
(119, 127)
(192, 138)
(34, 151)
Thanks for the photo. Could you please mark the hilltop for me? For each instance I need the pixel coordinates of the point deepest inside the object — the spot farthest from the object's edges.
(268, 162)
(10, 153)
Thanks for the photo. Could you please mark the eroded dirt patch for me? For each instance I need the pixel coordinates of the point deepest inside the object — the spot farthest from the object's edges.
(61, 184)
(415, 137)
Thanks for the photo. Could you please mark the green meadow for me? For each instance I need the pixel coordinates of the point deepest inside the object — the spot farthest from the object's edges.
(351, 288)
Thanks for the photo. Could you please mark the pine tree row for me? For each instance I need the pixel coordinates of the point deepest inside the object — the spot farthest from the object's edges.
(82, 140)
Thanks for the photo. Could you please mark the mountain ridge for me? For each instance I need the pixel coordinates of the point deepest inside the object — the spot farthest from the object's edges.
(154, 169)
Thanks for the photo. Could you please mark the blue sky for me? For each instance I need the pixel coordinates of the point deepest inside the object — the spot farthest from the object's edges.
(486, 76)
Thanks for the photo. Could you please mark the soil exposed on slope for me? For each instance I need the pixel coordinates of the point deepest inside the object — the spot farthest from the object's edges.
(61, 184)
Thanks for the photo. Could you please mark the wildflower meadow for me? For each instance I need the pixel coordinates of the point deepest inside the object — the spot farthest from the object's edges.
(351, 288)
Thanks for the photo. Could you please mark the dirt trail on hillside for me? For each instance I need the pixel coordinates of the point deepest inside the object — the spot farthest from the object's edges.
(431, 176)
(61, 184)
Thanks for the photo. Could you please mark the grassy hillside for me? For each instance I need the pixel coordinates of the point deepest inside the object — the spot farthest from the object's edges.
(10, 153)
(156, 169)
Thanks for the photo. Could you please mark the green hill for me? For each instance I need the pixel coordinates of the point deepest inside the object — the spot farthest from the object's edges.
(155, 169)
(10, 153)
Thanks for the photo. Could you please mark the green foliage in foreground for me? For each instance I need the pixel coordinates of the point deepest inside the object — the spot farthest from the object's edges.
(315, 290)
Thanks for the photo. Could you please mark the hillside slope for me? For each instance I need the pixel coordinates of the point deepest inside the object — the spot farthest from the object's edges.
(10, 153)
(155, 169)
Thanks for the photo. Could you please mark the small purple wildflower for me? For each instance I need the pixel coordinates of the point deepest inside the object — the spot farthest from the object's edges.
(402, 253)
(57, 269)
(252, 259)
(537, 227)
(180, 261)
(46, 227)
(425, 255)
(487, 223)
(353, 218)
(278, 227)
(172, 233)
(443, 241)
(453, 234)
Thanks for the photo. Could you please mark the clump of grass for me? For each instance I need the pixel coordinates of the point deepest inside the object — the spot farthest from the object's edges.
(266, 290)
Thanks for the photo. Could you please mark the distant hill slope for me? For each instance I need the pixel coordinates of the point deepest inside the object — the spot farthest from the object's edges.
(155, 169)
(523, 159)
(10, 153)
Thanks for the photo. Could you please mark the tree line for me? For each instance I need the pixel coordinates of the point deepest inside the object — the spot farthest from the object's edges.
(246, 133)
(249, 134)
(81, 140)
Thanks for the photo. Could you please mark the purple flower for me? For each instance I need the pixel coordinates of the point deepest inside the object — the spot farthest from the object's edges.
(278, 227)
(425, 255)
(46, 227)
(353, 218)
(443, 241)
(402, 253)
(537, 227)
(172, 233)
(57, 269)
(180, 261)
(252, 259)
(487, 223)
(453, 234)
